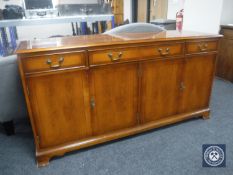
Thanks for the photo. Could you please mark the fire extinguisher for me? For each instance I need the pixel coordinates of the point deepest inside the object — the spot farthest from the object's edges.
(179, 20)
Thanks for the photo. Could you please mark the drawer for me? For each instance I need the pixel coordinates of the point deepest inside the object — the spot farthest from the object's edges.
(135, 53)
(201, 46)
(53, 62)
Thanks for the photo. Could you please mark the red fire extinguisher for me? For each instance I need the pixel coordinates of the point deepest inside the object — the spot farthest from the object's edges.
(179, 20)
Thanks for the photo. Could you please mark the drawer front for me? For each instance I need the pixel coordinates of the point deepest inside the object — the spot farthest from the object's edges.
(201, 46)
(53, 62)
(135, 53)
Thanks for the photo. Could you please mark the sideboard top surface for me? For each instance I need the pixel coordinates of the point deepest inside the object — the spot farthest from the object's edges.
(87, 41)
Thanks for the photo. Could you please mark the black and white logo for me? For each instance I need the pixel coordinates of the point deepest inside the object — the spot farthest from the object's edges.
(214, 156)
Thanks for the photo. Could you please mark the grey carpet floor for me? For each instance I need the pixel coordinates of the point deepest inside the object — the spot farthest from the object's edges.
(176, 149)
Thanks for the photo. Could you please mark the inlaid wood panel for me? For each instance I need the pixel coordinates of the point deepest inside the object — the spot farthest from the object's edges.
(160, 89)
(197, 82)
(114, 97)
(60, 105)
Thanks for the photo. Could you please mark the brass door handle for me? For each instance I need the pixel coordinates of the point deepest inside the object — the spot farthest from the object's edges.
(50, 63)
(203, 47)
(167, 51)
(112, 58)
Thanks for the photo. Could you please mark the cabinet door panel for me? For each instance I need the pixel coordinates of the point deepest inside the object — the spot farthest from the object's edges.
(197, 79)
(60, 105)
(160, 89)
(114, 90)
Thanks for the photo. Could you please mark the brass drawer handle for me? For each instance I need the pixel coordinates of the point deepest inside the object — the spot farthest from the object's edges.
(203, 47)
(167, 52)
(110, 55)
(50, 63)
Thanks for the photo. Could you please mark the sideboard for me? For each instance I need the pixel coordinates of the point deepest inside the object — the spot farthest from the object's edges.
(86, 90)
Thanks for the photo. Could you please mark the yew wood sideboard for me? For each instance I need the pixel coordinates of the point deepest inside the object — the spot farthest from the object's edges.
(86, 90)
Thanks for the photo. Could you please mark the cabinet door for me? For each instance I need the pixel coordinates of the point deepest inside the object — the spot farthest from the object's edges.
(197, 82)
(160, 89)
(60, 105)
(114, 94)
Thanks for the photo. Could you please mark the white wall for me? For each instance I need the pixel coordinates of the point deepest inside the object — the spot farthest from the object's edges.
(128, 10)
(227, 12)
(173, 7)
(202, 15)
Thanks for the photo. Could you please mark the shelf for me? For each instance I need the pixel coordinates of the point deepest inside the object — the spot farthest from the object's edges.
(57, 20)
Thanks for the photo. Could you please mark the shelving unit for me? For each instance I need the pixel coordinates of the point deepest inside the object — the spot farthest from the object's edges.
(57, 20)
(7, 47)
